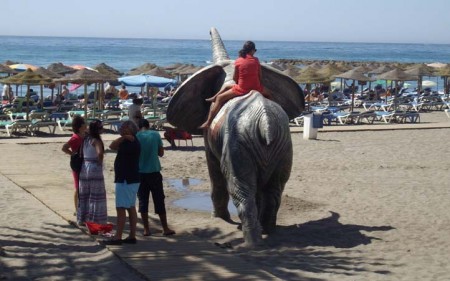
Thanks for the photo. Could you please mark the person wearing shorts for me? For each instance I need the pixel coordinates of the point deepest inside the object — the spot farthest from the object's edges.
(151, 178)
(126, 179)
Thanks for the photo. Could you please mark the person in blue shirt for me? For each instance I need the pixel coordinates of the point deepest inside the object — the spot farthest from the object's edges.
(151, 178)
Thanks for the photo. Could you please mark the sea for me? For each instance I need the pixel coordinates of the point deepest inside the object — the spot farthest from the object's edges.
(124, 54)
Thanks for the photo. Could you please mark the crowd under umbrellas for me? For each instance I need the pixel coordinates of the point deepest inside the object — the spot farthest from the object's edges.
(318, 73)
(61, 74)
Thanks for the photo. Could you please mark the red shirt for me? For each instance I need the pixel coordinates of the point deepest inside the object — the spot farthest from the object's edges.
(248, 69)
(75, 142)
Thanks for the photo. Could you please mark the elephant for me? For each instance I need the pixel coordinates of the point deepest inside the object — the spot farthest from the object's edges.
(248, 145)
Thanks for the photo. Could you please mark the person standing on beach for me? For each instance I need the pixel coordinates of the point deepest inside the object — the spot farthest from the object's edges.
(72, 147)
(123, 93)
(65, 93)
(92, 192)
(151, 178)
(134, 110)
(247, 75)
(126, 179)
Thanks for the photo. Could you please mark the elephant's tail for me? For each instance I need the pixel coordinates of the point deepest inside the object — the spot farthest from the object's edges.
(273, 124)
(218, 48)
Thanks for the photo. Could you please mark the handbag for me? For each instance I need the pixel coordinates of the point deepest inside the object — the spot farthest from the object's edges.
(76, 160)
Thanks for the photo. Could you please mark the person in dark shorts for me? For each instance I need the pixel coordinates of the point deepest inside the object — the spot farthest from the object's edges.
(151, 178)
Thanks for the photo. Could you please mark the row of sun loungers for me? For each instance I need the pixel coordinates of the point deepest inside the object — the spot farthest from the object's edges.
(14, 123)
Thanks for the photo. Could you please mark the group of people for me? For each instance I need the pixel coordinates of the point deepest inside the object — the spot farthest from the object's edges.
(137, 174)
(137, 166)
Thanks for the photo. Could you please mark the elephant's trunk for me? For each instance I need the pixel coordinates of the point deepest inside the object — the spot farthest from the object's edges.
(219, 52)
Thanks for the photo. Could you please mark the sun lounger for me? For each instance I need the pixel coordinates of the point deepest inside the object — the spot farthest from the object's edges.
(385, 116)
(17, 126)
(36, 125)
(365, 117)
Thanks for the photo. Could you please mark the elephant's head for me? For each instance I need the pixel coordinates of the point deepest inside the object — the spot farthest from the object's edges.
(188, 109)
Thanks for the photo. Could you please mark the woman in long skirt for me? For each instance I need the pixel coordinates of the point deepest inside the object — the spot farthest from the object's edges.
(92, 192)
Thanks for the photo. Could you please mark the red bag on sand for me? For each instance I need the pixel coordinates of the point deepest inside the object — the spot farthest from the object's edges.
(95, 228)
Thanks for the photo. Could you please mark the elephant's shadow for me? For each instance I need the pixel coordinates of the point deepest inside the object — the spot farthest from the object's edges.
(326, 232)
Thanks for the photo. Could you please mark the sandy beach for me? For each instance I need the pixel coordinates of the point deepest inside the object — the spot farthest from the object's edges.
(359, 205)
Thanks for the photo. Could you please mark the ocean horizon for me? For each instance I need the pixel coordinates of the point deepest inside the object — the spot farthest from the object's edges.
(127, 53)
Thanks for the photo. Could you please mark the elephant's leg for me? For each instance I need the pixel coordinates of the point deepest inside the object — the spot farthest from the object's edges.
(219, 192)
(271, 200)
(243, 193)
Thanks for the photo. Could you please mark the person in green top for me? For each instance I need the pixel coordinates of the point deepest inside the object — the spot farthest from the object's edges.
(150, 176)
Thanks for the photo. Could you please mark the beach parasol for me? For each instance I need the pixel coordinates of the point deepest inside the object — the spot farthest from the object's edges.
(145, 80)
(355, 74)
(47, 74)
(419, 71)
(158, 71)
(6, 69)
(310, 75)
(28, 77)
(108, 70)
(84, 76)
(428, 84)
(23, 67)
(291, 71)
(141, 69)
(396, 75)
(444, 72)
(61, 68)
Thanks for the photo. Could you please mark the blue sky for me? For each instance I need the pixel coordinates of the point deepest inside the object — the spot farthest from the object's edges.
(393, 21)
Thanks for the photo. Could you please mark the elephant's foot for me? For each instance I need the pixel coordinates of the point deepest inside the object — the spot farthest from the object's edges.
(252, 238)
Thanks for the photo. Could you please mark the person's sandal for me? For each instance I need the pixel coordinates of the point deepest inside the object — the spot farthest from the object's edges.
(111, 242)
(129, 240)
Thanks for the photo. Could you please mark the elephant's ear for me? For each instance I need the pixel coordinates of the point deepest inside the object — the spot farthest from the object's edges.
(188, 109)
(285, 91)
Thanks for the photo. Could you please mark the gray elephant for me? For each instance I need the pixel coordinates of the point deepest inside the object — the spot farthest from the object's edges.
(248, 145)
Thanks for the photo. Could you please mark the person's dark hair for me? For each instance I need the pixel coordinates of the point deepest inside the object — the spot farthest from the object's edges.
(143, 123)
(247, 48)
(77, 123)
(138, 101)
(94, 129)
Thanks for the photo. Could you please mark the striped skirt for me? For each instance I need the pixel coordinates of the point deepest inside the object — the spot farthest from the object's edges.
(92, 194)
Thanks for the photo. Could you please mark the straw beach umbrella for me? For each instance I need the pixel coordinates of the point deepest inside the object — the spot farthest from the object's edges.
(60, 68)
(6, 69)
(355, 74)
(419, 71)
(28, 77)
(141, 69)
(396, 75)
(84, 76)
(108, 70)
(47, 74)
(444, 72)
(158, 71)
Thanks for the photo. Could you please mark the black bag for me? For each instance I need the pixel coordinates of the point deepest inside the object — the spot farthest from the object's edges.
(76, 160)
